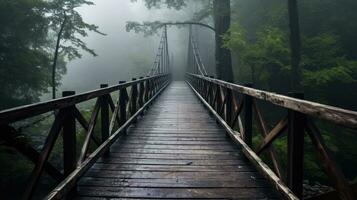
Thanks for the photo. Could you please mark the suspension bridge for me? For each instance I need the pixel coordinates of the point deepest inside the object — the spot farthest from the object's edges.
(162, 139)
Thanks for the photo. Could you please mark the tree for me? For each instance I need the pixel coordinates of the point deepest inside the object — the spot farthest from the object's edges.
(294, 45)
(222, 20)
(68, 24)
(27, 48)
(24, 59)
(221, 15)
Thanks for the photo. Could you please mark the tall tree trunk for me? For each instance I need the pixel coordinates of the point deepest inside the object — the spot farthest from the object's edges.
(55, 58)
(222, 21)
(295, 46)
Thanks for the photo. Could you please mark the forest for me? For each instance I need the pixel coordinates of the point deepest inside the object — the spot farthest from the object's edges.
(41, 39)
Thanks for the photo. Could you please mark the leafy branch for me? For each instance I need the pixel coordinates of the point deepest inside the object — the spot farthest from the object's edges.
(151, 28)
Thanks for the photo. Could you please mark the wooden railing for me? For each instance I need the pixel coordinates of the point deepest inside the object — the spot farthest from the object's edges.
(231, 103)
(123, 113)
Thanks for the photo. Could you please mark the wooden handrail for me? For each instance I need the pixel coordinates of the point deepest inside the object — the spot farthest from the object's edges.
(296, 124)
(65, 119)
(70, 181)
(27, 111)
(248, 152)
(337, 115)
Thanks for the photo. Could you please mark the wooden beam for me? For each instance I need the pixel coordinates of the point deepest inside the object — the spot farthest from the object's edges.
(250, 154)
(69, 140)
(123, 98)
(238, 111)
(66, 185)
(336, 115)
(90, 131)
(271, 149)
(104, 117)
(23, 112)
(8, 134)
(133, 98)
(114, 108)
(248, 118)
(45, 153)
(296, 133)
(331, 168)
(274, 133)
(83, 122)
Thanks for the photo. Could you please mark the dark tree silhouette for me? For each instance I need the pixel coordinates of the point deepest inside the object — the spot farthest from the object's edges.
(295, 46)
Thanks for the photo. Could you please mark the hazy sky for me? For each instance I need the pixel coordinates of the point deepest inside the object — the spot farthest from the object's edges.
(122, 55)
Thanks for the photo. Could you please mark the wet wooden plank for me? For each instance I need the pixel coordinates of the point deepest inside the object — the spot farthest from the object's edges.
(221, 147)
(175, 142)
(132, 139)
(172, 183)
(177, 135)
(157, 193)
(103, 198)
(175, 151)
(171, 168)
(176, 156)
(217, 175)
(157, 161)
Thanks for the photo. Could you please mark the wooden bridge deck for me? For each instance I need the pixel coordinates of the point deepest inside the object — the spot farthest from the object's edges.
(176, 151)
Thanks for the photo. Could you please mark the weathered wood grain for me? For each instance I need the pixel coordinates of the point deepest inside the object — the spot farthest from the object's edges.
(176, 150)
(22, 112)
(66, 186)
(330, 113)
(249, 153)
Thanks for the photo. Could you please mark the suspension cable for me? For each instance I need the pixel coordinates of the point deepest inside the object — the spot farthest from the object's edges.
(193, 47)
(161, 60)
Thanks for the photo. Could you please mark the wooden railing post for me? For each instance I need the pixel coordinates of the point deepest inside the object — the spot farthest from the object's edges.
(156, 81)
(229, 107)
(219, 98)
(153, 86)
(201, 85)
(153, 89)
(104, 108)
(146, 94)
(207, 89)
(133, 99)
(248, 121)
(211, 97)
(123, 97)
(296, 125)
(141, 93)
(69, 139)
(149, 88)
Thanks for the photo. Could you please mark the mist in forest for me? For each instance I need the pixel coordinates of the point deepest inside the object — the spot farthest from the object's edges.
(121, 54)
(307, 48)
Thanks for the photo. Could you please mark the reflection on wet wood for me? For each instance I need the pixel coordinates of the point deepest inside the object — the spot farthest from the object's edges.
(176, 151)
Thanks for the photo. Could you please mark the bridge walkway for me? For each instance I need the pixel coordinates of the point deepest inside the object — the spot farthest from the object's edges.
(175, 151)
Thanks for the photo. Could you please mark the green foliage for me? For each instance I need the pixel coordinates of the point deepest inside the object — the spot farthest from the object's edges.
(263, 60)
(259, 41)
(74, 27)
(24, 63)
(172, 4)
(28, 32)
(325, 67)
(147, 28)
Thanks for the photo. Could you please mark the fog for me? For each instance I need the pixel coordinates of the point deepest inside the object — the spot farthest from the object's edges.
(123, 55)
